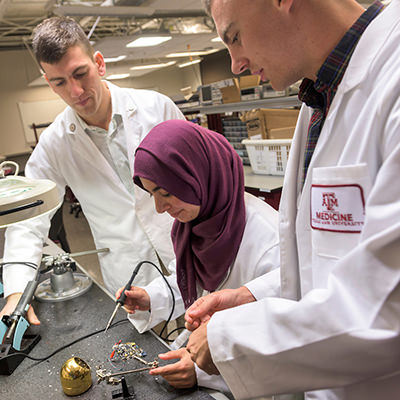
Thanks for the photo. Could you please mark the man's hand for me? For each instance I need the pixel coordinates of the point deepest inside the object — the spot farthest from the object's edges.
(203, 308)
(199, 351)
(182, 374)
(12, 301)
(136, 299)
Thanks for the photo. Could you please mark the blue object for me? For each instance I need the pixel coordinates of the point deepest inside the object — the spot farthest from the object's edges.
(3, 330)
(19, 333)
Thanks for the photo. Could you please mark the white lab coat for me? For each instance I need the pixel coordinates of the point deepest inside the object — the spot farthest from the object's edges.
(343, 333)
(258, 254)
(128, 225)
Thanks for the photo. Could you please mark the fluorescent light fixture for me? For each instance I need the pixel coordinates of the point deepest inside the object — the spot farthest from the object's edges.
(22, 198)
(216, 39)
(191, 62)
(152, 66)
(118, 76)
(192, 53)
(114, 59)
(147, 41)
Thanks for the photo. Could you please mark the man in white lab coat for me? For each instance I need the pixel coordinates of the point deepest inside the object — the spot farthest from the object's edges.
(335, 331)
(90, 147)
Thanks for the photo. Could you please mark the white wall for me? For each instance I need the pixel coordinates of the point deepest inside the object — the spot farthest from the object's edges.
(17, 69)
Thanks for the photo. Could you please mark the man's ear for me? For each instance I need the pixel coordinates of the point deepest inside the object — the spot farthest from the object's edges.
(100, 63)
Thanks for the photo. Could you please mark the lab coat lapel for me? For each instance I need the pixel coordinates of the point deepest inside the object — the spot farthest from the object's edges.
(290, 279)
(134, 134)
(369, 46)
(85, 147)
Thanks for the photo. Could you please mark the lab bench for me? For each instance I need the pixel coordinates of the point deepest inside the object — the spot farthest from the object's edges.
(266, 187)
(64, 322)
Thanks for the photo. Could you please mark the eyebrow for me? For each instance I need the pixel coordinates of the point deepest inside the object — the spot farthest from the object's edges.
(73, 72)
(225, 37)
(155, 189)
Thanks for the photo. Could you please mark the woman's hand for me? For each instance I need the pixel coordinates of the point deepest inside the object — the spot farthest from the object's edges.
(136, 299)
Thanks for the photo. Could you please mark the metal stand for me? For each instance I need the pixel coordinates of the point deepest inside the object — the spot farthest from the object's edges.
(123, 392)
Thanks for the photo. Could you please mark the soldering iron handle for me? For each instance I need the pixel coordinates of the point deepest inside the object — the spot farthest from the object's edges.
(122, 298)
(26, 297)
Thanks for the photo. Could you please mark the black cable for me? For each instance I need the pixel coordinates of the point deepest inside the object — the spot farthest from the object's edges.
(172, 295)
(101, 330)
(63, 347)
(179, 328)
(27, 263)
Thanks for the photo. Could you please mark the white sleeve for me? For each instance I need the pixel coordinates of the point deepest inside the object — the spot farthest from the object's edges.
(215, 382)
(267, 285)
(336, 336)
(161, 302)
(24, 241)
(171, 110)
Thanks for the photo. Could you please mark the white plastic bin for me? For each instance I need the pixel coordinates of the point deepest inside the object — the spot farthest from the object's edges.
(268, 157)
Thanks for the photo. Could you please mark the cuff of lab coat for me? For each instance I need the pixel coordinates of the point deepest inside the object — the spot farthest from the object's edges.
(145, 320)
(267, 285)
(16, 277)
(215, 382)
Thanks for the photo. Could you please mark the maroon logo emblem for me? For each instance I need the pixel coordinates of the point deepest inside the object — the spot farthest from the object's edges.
(329, 201)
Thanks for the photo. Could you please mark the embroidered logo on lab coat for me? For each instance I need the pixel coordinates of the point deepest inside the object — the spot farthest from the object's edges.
(337, 208)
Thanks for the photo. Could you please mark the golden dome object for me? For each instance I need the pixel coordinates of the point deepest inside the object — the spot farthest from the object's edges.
(75, 376)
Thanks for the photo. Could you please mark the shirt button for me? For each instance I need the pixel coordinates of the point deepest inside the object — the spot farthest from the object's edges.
(72, 127)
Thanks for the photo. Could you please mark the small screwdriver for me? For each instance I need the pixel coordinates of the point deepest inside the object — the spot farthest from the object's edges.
(121, 300)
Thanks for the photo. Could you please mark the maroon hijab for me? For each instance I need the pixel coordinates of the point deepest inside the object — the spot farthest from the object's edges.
(199, 167)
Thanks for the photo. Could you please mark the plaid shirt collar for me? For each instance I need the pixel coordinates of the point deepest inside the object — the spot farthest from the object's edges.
(319, 94)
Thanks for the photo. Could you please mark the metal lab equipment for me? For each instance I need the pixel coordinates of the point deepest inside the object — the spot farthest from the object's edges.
(64, 283)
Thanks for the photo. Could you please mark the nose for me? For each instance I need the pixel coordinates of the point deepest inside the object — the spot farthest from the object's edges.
(161, 204)
(239, 63)
(75, 88)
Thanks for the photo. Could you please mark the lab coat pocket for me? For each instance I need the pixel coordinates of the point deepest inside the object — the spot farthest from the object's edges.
(337, 213)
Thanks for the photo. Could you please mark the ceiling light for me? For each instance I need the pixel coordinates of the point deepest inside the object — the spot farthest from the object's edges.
(150, 66)
(216, 39)
(192, 53)
(186, 64)
(147, 41)
(114, 59)
(118, 76)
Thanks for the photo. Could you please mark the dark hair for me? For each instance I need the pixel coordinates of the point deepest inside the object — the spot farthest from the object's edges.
(54, 36)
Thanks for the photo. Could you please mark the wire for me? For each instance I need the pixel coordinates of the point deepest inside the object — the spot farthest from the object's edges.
(27, 263)
(63, 347)
(180, 328)
(172, 295)
(98, 331)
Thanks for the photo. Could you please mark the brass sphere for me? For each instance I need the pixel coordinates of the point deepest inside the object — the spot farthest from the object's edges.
(75, 376)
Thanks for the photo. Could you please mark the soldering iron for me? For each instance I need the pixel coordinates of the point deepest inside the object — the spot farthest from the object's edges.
(121, 300)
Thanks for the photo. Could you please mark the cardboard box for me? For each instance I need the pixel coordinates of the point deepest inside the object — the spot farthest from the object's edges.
(255, 123)
(249, 81)
(279, 118)
(281, 133)
(231, 94)
(270, 123)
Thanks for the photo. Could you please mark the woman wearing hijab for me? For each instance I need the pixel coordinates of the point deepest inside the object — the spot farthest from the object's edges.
(222, 236)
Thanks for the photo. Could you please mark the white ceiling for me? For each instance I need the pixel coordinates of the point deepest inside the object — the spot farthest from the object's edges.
(113, 23)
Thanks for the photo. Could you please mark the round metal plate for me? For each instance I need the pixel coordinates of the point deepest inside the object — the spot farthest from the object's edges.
(44, 292)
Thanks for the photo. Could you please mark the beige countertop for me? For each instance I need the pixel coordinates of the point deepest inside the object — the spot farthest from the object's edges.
(265, 183)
